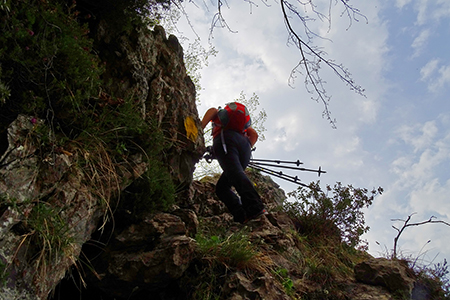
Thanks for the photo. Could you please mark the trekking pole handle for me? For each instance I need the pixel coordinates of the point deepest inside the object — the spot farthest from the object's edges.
(209, 154)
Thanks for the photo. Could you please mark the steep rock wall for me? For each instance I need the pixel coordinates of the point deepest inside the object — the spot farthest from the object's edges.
(61, 199)
(150, 66)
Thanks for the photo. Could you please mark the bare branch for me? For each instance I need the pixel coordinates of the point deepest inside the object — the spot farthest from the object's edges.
(218, 21)
(405, 225)
(312, 57)
(351, 12)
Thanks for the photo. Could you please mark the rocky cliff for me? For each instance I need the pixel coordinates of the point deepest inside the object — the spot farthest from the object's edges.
(108, 210)
(60, 180)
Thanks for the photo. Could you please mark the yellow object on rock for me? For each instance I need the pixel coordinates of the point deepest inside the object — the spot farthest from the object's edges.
(191, 128)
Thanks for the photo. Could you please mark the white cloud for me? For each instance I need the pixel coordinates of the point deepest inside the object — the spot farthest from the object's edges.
(442, 80)
(401, 3)
(428, 12)
(420, 41)
(422, 11)
(427, 71)
(431, 190)
(419, 172)
(443, 11)
(368, 110)
(419, 136)
(437, 77)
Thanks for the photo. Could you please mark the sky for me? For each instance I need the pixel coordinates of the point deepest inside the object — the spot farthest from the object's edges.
(396, 137)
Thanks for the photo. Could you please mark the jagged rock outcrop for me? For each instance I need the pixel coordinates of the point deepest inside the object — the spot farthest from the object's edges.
(394, 275)
(145, 63)
(27, 184)
(149, 256)
(150, 66)
(144, 257)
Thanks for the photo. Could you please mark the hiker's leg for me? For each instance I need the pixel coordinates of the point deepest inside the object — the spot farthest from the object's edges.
(230, 199)
(233, 164)
(223, 186)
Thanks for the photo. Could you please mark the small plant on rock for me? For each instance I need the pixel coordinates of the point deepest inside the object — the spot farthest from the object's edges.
(234, 250)
(221, 254)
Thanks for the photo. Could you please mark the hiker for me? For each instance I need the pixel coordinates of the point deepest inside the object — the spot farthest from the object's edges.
(232, 144)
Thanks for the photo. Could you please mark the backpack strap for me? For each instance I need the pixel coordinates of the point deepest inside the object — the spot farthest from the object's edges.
(223, 141)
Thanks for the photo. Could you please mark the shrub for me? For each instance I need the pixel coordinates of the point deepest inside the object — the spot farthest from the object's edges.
(44, 233)
(337, 215)
(217, 255)
(221, 253)
(47, 62)
(50, 233)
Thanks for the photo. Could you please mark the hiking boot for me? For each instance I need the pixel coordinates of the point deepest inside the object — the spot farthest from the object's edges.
(262, 212)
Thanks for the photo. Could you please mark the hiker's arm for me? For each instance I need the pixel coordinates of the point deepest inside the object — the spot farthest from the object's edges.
(252, 136)
(209, 115)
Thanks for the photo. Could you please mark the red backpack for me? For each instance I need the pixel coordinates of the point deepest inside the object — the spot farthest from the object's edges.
(235, 117)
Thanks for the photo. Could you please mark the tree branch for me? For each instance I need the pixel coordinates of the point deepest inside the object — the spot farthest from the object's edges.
(313, 65)
(312, 57)
(405, 225)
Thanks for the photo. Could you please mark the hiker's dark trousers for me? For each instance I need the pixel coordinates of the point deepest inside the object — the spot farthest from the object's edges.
(233, 164)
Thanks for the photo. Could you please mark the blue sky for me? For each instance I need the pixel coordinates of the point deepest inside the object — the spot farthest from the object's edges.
(397, 137)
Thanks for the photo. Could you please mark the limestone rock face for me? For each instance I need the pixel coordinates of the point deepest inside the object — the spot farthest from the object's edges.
(25, 183)
(391, 274)
(150, 66)
(144, 257)
(145, 64)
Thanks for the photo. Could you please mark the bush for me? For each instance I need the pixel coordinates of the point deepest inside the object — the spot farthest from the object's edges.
(47, 62)
(219, 254)
(339, 215)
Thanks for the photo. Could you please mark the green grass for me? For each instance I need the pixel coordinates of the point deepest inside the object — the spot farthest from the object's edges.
(234, 250)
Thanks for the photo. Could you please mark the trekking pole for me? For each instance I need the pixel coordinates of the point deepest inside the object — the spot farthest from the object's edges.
(262, 164)
(298, 162)
(319, 171)
(278, 174)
